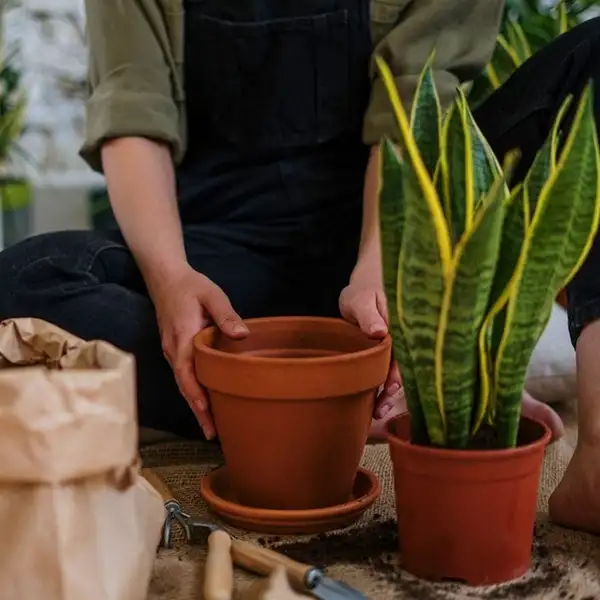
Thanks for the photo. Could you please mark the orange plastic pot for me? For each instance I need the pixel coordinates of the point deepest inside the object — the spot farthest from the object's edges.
(292, 404)
(467, 515)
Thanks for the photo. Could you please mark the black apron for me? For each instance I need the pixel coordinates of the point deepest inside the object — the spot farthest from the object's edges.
(276, 93)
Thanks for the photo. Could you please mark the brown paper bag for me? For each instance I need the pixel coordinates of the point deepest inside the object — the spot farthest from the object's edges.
(78, 521)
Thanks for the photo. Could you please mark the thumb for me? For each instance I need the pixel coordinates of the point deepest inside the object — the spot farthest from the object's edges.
(369, 318)
(225, 318)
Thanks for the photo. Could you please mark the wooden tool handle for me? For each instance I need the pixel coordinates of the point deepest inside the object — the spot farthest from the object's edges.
(262, 561)
(158, 484)
(218, 572)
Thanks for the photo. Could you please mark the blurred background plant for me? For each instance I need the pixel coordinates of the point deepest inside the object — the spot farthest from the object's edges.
(527, 26)
(15, 188)
(12, 108)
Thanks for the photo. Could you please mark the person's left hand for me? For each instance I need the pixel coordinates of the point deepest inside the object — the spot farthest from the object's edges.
(364, 304)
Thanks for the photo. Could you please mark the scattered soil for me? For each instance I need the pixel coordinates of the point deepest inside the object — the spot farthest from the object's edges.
(363, 546)
(375, 548)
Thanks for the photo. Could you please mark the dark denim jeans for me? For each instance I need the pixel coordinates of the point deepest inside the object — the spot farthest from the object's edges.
(280, 236)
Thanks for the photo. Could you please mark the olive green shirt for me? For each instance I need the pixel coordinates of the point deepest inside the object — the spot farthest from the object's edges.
(137, 52)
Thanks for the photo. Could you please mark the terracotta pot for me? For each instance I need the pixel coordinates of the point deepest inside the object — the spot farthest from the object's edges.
(292, 404)
(467, 515)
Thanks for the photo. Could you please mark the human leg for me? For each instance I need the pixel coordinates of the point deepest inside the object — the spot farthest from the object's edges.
(575, 502)
(89, 285)
(533, 96)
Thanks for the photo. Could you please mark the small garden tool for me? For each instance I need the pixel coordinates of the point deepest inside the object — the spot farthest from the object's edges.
(175, 513)
(256, 559)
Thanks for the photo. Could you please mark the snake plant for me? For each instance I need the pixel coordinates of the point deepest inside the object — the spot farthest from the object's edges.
(471, 267)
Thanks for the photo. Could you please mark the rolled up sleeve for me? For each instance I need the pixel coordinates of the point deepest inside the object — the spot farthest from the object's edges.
(462, 33)
(131, 90)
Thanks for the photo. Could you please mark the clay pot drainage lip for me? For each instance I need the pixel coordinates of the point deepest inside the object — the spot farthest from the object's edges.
(214, 491)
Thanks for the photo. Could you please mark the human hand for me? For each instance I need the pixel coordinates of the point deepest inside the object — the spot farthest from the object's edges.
(186, 303)
(363, 303)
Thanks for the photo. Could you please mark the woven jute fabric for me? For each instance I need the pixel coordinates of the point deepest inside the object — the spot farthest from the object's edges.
(565, 565)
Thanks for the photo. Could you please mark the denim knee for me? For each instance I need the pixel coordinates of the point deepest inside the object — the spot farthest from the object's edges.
(42, 269)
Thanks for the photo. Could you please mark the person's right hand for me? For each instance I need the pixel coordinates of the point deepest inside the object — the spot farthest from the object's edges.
(185, 303)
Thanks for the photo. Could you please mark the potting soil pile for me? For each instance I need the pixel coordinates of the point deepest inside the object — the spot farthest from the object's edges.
(566, 564)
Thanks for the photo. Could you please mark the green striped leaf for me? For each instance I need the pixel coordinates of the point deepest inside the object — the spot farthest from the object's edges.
(391, 221)
(517, 39)
(513, 233)
(515, 228)
(464, 307)
(421, 304)
(455, 174)
(426, 118)
(556, 133)
(468, 167)
(559, 237)
(486, 169)
(418, 424)
(505, 61)
(538, 174)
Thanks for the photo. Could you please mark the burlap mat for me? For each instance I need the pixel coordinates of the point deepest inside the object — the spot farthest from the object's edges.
(566, 564)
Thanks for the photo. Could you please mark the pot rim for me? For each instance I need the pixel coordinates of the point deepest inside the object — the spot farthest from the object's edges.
(480, 455)
(380, 346)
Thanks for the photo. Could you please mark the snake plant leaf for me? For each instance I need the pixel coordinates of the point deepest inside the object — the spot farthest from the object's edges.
(537, 176)
(421, 261)
(486, 168)
(418, 424)
(464, 307)
(505, 61)
(517, 39)
(558, 239)
(513, 232)
(468, 167)
(563, 18)
(555, 135)
(391, 224)
(517, 221)
(426, 118)
(441, 175)
(456, 170)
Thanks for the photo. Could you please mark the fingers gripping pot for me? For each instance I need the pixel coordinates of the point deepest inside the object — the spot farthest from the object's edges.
(81, 521)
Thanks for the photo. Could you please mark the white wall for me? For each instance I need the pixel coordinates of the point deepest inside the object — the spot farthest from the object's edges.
(53, 58)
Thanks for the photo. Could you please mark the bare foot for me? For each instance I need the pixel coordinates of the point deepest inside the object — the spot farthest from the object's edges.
(538, 410)
(575, 503)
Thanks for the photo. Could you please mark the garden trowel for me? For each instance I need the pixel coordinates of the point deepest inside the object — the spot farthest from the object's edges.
(251, 557)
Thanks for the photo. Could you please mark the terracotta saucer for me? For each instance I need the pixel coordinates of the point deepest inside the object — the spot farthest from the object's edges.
(216, 493)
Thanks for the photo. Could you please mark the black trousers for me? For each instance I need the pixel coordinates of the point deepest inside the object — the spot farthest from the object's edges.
(88, 283)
